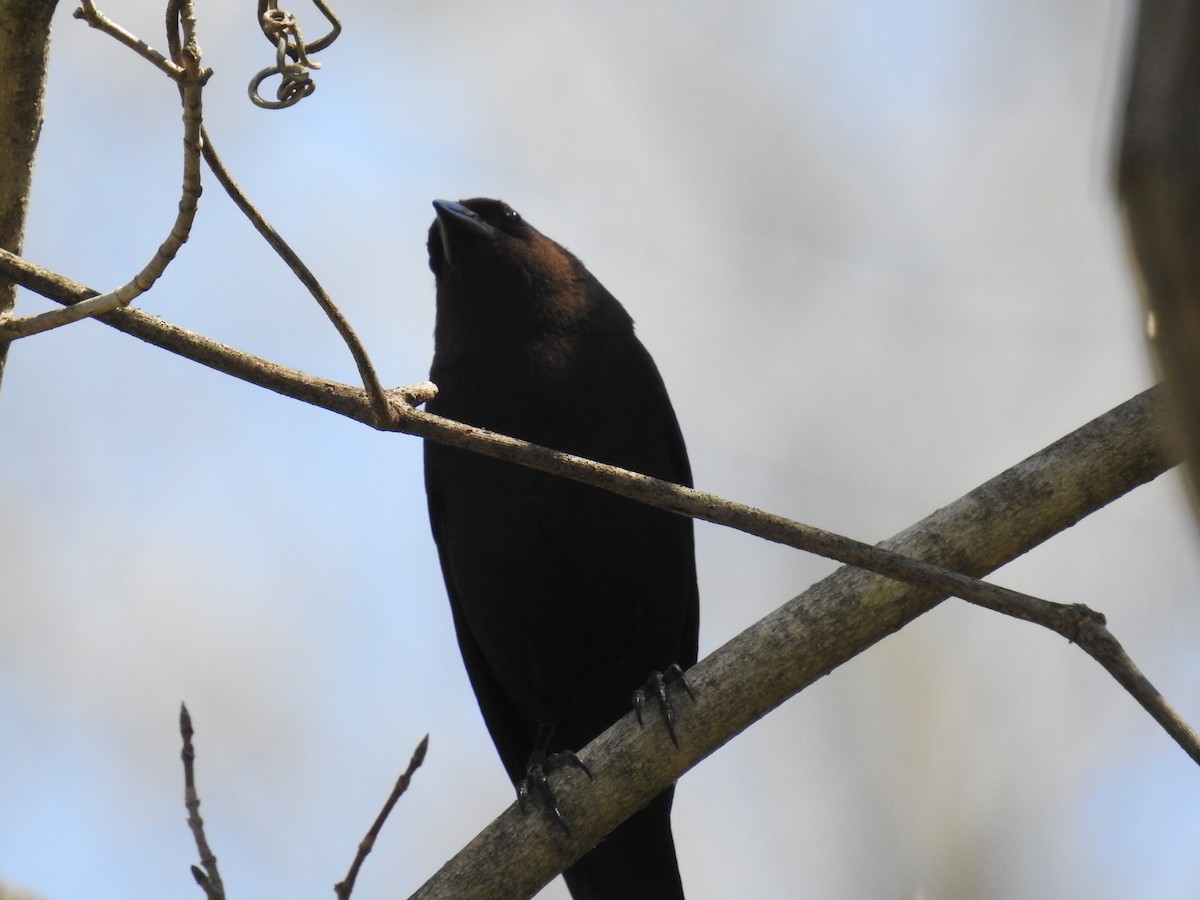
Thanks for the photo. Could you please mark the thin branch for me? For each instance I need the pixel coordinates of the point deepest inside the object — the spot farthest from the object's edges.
(191, 79)
(362, 361)
(366, 371)
(1101, 646)
(344, 888)
(804, 640)
(93, 17)
(1074, 622)
(686, 501)
(331, 395)
(209, 878)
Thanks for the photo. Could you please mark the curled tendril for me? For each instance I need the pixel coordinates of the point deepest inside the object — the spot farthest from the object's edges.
(283, 30)
(295, 86)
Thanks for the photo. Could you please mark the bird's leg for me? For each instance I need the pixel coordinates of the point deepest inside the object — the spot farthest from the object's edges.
(656, 686)
(537, 772)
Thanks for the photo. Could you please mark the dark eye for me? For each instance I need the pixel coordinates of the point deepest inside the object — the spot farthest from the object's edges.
(496, 213)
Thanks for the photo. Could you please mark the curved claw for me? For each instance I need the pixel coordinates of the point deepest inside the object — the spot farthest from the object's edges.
(565, 758)
(656, 686)
(536, 779)
(673, 674)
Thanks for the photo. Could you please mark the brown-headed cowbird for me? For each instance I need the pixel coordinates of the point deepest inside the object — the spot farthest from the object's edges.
(565, 597)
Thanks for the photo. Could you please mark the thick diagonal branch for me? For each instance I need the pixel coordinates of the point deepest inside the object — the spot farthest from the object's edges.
(807, 638)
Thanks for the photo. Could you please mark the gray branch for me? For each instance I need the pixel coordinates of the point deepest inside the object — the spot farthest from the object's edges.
(828, 624)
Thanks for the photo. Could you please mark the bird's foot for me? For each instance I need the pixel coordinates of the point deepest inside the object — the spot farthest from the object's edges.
(656, 686)
(537, 781)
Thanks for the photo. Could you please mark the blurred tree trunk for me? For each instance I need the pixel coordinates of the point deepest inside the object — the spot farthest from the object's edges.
(24, 46)
(1158, 182)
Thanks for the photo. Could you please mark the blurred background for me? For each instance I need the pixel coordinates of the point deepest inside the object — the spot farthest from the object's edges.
(874, 251)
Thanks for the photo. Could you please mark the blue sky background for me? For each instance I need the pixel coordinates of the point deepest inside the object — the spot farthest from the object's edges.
(874, 250)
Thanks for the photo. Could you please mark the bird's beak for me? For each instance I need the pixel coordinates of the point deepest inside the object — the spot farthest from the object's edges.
(456, 222)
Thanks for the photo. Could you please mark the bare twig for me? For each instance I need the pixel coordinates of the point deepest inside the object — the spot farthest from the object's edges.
(366, 370)
(183, 67)
(1073, 622)
(209, 878)
(92, 16)
(1068, 620)
(191, 80)
(344, 888)
(1101, 646)
(340, 398)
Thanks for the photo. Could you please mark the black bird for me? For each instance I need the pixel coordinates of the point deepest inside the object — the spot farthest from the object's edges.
(565, 597)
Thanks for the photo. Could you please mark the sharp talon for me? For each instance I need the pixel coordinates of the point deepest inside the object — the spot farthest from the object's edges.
(559, 818)
(567, 758)
(639, 700)
(669, 718)
(537, 780)
(674, 673)
(657, 686)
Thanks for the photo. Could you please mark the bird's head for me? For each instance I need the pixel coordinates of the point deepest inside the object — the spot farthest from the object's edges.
(495, 272)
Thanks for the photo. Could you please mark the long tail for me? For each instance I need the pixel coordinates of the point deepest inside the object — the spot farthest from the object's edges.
(635, 862)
